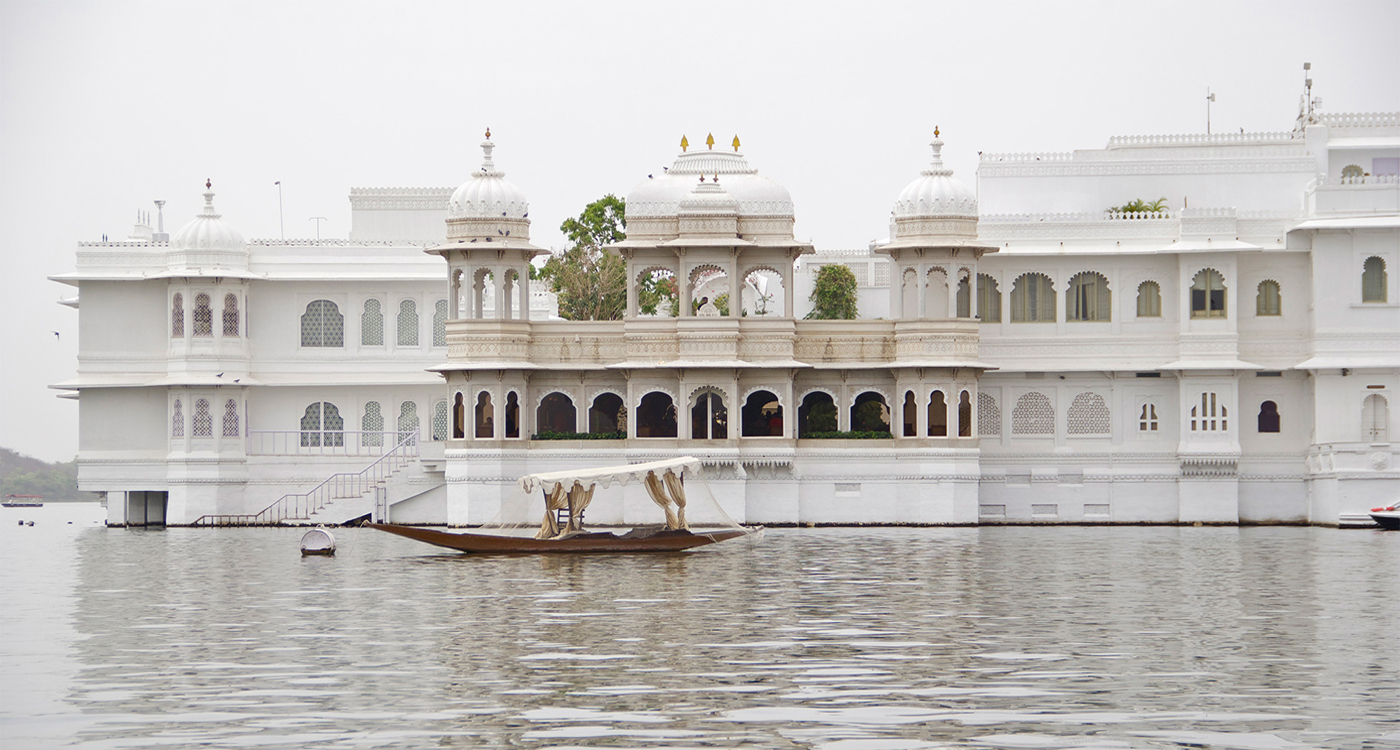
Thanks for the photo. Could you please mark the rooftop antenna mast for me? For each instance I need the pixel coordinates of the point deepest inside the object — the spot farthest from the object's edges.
(1210, 98)
(281, 227)
(318, 220)
(160, 235)
(1307, 89)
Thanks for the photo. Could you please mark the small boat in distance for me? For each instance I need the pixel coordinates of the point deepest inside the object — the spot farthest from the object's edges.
(23, 501)
(1387, 517)
(568, 494)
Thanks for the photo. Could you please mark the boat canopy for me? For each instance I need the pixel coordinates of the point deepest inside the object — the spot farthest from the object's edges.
(608, 475)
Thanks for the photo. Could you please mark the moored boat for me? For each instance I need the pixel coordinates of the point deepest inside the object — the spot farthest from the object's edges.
(1387, 517)
(568, 494)
(23, 501)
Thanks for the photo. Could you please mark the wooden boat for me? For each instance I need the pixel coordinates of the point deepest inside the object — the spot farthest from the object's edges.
(1388, 517)
(567, 494)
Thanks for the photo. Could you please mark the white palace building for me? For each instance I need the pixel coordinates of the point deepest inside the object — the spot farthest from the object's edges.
(1233, 357)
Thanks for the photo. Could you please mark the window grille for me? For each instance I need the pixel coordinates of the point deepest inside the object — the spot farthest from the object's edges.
(408, 418)
(1375, 419)
(372, 324)
(372, 423)
(988, 299)
(440, 420)
(1208, 294)
(1268, 302)
(177, 316)
(1089, 298)
(203, 316)
(1209, 416)
(1033, 415)
(1033, 299)
(1149, 301)
(177, 420)
(408, 323)
(1087, 415)
(1373, 281)
(1147, 420)
(322, 325)
(231, 315)
(203, 426)
(989, 421)
(440, 323)
(321, 424)
(230, 418)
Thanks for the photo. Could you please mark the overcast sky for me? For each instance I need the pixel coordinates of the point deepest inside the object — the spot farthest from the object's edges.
(107, 106)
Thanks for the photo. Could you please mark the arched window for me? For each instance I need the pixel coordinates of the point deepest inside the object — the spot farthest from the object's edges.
(231, 315)
(1267, 302)
(408, 323)
(656, 416)
(964, 298)
(990, 423)
(936, 294)
(988, 299)
(1087, 415)
(321, 425)
(230, 418)
(1147, 420)
(372, 324)
(762, 415)
(177, 420)
(817, 413)
(1375, 419)
(512, 415)
(870, 413)
(1373, 282)
(485, 416)
(203, 316)
(459, 417)
(607, 414)
(1033, 299)
(1149, 301)
(203, 423)
(440, 420)
(1033, 415)
(440, 323)
(372, 425)
(709, 419)
(1208, 294)
(557, 414)
(911, 415)
(965, 415)
(1209, 415)
(1089, 299)
(1268, 417)
(322, 325)
(177, 316)
(408, 419)
(937, 415)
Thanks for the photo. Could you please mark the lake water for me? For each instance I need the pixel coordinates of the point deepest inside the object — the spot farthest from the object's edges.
(842, 639)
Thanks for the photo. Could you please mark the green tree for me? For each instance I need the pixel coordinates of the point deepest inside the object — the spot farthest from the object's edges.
(822, 418)
(655, 289)
(590, 281)
(833, 294)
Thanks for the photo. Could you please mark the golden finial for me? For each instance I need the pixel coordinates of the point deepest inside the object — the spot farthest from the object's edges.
(684, 143)
(716, 179)
(935, 131)
(488, 133)
(736, 143)
(710, 141)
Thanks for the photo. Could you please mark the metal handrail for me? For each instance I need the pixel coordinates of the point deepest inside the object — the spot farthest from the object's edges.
(338, 486)
(322, 442)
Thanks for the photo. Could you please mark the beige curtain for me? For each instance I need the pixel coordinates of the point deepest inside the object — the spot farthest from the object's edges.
(553, 500)
(579, 498)
(658, 496)
(673, 483)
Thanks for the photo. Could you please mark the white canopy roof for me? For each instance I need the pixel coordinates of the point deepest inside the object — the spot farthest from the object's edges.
(608, 475)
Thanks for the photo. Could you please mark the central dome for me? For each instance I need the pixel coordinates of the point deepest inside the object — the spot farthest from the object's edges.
(936, 193)
(487, 194)
(207, 231)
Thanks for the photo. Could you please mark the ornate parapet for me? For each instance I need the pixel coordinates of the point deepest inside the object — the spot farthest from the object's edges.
(480, 341)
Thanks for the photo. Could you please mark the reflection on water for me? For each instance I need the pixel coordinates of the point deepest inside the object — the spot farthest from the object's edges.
(846, 639)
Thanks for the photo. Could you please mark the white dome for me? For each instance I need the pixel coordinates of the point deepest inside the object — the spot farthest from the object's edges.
(207, 231)
(936, 193)
(487, 194)
(660, 195)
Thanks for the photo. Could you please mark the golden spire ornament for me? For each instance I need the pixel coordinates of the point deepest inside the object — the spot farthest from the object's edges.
(736, 144)
(935, 131)
(488, 133)
(684, 143)
(710, 141)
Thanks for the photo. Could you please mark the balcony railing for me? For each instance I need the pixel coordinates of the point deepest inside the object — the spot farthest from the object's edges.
(323, 442)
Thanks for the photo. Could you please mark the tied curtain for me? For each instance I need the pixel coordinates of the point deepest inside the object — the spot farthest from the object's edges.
(576, 500)
(553, 500)
(657, 489)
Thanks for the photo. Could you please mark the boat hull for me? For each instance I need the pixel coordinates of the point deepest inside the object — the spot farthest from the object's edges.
(1389, 519)
(662, 541)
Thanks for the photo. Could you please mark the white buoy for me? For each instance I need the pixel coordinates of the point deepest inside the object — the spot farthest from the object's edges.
(318, 541)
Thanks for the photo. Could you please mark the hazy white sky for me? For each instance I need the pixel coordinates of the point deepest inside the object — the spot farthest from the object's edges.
(107, 106)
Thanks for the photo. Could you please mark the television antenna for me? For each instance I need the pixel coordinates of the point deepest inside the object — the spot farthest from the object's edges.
(318, 220)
